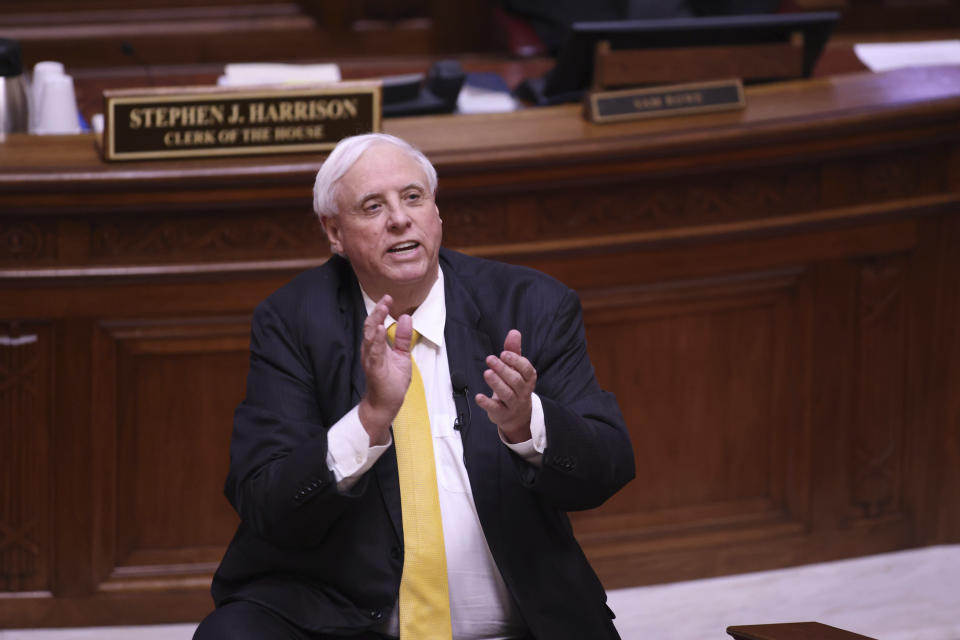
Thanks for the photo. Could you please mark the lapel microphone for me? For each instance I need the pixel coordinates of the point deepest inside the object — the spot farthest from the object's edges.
(460, 400)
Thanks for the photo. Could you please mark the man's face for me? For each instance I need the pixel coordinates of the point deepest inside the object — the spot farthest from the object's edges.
(388, 224)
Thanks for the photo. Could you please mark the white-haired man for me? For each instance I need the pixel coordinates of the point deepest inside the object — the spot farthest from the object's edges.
(417, 422)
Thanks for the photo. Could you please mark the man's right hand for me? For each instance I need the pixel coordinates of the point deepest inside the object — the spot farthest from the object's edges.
(387, 370)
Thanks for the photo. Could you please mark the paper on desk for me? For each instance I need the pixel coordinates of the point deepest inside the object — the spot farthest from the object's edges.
(485, 93)
(883, 56)
(476, 100)
(254, 73)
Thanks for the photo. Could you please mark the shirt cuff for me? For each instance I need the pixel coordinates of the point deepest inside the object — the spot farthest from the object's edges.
(349, 454)
(532, 450)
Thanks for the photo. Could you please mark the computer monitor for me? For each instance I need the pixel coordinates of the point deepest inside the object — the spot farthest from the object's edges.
(573, 71)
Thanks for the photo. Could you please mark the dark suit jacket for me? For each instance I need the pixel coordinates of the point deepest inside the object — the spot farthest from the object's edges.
(332, 562)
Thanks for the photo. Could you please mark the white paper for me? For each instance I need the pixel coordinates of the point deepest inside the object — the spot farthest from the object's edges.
(478, 100)
(257, 73)
(883, 56)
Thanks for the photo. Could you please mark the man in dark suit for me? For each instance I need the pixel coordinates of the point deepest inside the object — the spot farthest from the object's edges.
(520, 433)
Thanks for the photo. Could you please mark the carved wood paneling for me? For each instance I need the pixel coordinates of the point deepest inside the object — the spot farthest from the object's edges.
(877, 435)
(635, 204)
(579, 208)
(887, 176)
(472, 218)
(660, 203)
(25, 499)
(26, 241)
(472, 221)
(205, 237)
(686, 360)
(176, 385)
(942, 399)
(902, 175)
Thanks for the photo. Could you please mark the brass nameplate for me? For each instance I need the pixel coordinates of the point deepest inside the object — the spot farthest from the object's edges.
(144, 124)
(664, 100)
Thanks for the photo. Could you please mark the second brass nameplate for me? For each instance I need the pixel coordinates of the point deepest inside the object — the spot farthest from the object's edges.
(208, 121)
(669, 100)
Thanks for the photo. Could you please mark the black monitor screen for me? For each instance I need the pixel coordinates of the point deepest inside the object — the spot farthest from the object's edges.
(573, 70)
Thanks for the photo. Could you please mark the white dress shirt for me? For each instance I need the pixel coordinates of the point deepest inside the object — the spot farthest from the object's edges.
(480, 605)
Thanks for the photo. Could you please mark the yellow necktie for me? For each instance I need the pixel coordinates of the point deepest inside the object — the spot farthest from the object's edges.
(424, 598)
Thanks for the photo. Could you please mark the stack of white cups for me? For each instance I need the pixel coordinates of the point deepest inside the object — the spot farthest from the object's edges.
(54, 108)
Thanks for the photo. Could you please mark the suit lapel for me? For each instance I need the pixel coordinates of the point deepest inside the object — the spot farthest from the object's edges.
(352, 315)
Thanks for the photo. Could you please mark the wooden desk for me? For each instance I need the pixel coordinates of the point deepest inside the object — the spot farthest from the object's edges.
(773, 294)
(792, 631)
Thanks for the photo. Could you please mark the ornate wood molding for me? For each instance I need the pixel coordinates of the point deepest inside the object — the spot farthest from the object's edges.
(25, 498)
(205, 236)
(878, 435)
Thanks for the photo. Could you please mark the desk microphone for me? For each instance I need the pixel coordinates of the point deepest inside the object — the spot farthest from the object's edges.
(460, 400)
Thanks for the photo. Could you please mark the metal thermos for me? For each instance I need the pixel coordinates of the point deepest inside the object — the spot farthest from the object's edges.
(14, 110)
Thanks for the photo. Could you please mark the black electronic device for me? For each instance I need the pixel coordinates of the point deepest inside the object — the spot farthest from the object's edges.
(460, 401)
(416, 94)
(573, 71)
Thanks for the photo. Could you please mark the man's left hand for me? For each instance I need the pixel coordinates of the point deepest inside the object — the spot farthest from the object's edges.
(512, 379)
